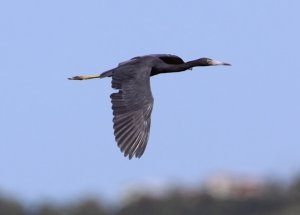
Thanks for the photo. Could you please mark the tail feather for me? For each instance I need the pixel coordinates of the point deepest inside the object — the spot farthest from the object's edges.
(108, 73)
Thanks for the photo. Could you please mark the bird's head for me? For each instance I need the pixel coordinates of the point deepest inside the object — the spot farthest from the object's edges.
(210, 62)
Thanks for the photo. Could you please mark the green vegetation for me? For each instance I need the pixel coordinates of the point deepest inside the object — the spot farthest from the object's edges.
(272, 199)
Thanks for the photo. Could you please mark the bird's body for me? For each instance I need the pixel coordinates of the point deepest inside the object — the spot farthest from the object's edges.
(132, 104)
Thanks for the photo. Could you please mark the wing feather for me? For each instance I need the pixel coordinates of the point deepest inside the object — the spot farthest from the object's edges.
(167, 58)
(132, 106)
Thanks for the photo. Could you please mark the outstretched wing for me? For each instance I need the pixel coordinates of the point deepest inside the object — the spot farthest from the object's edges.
(132, 107)
(169, 58)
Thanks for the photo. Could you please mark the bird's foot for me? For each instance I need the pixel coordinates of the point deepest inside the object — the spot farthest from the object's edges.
(85, 77)
(77, 78)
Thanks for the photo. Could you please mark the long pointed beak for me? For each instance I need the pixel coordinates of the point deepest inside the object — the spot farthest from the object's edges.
(219, 63)
(226, 64)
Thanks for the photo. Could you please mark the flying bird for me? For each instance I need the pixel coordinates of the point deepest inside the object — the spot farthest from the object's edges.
(133, 103)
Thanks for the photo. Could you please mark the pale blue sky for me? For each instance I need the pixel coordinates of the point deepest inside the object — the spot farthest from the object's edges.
(56, 137)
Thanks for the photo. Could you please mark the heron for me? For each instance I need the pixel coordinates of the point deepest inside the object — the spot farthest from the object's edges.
(132, 104)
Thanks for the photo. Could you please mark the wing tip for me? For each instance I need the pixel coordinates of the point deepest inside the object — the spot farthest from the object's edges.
(133, 155)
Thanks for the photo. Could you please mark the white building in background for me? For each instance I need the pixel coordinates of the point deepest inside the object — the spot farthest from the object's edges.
(232, 186)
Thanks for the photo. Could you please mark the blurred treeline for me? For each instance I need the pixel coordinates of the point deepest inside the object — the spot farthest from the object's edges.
(271, 199)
